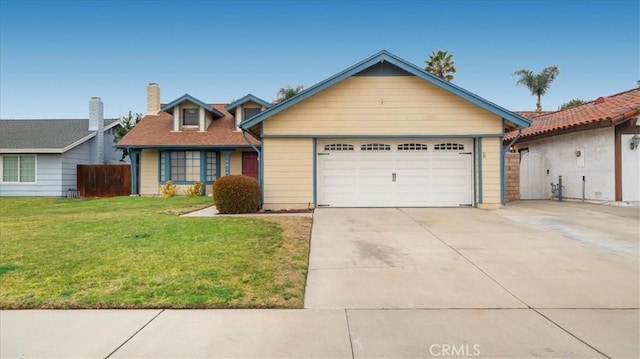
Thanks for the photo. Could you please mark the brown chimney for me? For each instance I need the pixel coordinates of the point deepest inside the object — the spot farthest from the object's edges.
(153, 99)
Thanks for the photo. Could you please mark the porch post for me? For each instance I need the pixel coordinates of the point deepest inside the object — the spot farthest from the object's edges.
(203, 171)
(133, 156)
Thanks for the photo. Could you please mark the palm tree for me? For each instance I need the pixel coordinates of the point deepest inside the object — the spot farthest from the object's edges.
(538, 84)
(441, 64)
(287, 92)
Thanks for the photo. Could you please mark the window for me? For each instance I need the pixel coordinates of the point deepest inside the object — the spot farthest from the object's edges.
(183, 166)
(449, 146)
(212, 166)
(375, 147)
(250, 112)
(21, 169)
(412, 147)
(338, 147)
(190, 117)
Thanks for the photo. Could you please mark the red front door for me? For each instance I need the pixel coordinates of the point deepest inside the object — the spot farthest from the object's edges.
(250, 164)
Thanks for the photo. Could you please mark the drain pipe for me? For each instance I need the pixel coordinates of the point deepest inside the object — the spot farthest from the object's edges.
(244, 136)
(560, 188)
(583, 185)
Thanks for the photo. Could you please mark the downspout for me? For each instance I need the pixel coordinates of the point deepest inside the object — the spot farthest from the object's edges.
(244, 136)
(502, 164)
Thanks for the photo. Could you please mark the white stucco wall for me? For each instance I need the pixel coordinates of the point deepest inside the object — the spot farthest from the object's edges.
(596, 162)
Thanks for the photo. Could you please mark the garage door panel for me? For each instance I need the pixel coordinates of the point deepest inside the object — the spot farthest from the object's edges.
(363, 176)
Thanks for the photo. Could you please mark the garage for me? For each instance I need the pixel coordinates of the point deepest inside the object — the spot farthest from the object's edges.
(395, 172)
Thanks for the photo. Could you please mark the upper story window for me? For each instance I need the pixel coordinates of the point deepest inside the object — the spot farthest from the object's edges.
(250, 112)
(190, 117)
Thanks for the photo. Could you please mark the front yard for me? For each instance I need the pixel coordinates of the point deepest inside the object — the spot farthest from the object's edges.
(137, 253)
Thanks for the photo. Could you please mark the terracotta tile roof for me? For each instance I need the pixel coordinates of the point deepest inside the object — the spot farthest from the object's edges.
(531, 114)
(607, 110)
(157, 131)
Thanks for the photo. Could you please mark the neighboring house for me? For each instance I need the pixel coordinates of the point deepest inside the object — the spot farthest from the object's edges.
(39, 157)
(592, 146)
(188, 140)
(381, 133)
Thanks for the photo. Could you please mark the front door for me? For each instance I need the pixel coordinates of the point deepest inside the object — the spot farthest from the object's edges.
(250, 164)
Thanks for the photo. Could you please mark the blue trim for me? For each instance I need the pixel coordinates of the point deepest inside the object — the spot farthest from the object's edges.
(227, 162)
(315, 172)
(218, 164)
(261, 164)
(480, 199)
(384, 56)
(186, 97)
(245, 99)
(167, 165)
(475, 173)
(386, 136)
(134, 176)
(189, 147)
(203, 171)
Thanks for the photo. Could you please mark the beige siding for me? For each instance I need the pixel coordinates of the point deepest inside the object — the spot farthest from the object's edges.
(491, 148)
(383, 105)
(236, 163)
(288, 173)
(149, 173)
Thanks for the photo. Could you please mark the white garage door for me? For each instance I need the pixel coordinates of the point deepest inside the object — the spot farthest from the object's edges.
(395, 173)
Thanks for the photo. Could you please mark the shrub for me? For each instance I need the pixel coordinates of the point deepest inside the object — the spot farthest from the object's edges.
(236, 194)
(168, 189)
(194, 190)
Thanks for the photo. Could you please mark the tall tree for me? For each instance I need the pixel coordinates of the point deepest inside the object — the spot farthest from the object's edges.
(441, 64)
(287, 92)
(126, 124)
(572, 103)
(538, 84)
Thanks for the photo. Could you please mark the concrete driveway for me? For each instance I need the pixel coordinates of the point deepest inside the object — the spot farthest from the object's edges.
(536, 279)
(537, 254)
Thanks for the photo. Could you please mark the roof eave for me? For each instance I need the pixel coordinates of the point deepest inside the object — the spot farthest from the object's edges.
(186, 97)
(383, 55)
(246, 99)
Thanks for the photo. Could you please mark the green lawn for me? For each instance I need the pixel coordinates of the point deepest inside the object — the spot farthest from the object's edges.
(137, 253)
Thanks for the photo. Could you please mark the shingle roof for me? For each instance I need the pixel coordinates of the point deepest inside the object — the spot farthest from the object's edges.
(51, 135)
(157, 131)
(605, 110)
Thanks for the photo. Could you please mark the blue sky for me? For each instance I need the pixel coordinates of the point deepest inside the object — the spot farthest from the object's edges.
(55, 55)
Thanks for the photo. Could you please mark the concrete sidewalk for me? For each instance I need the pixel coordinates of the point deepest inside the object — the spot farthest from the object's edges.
(311, 333)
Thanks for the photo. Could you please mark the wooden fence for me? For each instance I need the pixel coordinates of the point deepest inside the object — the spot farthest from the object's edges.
(104, 180)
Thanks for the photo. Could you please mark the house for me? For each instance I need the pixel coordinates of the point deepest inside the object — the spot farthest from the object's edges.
(380, 133)
(39, 157)
(593, 146)
(188, 140)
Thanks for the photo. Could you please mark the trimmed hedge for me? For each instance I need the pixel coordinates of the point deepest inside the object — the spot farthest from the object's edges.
(235, 194)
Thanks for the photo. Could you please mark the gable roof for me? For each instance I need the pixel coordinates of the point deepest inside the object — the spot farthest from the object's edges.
(385, 56)
(156, 131)
(186, 97)
(245, 99)
(604, 112)
(46, 136)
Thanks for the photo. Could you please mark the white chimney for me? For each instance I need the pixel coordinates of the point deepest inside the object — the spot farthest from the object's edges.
(153, 99)
(96, 123)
